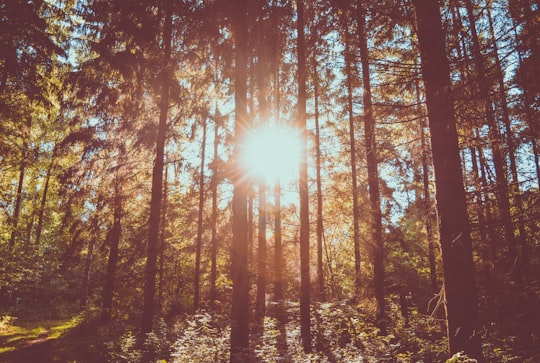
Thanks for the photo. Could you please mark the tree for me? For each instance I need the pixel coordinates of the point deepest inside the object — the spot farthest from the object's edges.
(239, 245)
(199, 242)
(152, 247)
(305, 285)
(373, 173)
(456, 245)
(349, 59)
(114, 241)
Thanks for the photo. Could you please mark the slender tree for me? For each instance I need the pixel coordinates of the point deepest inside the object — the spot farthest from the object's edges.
(198, 242)
(239, 246)
(114, 242)
(349, 59)
(214, 237)
(305, 286)
(373, 172)
(152, 247)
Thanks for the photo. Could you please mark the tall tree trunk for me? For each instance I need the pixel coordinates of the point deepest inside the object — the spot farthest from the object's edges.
(320, 227)
(498, 159)
(429, 214)
(458, 269)
(483, 231)
(262, 71)
(305, 286)
(198, 243)
(528, 97)
(427, 203)
(510, 145)
(214, 242)
(114, 240)
(373, 174)
(352, 142)
(157, 182)
(278, 248)
(239, 246)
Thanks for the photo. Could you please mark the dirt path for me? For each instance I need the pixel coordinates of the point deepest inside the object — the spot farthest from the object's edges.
(37, 350)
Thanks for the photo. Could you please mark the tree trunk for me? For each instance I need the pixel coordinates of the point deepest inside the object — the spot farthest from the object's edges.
(511, 147)
(198, 243)
(41, 215)
(429, 215)
(162, 239)
(320, 227)
(157, 183)
(373, 174)
(498, 159)
(305, 286)
(458, 270)
(239, 246)
(260, 304)
(88, 265)
(213, 243)
(17, 209)
(349, 59)
(108, 289)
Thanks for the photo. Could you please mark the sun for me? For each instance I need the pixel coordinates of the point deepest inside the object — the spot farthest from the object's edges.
(272, 152)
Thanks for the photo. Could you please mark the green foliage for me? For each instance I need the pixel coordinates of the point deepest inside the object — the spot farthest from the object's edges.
(202, 338)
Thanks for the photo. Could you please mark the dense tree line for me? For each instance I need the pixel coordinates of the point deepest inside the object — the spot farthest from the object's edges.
(122, 133)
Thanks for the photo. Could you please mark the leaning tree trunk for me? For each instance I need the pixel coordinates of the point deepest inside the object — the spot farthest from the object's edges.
(152, 248)
(456, 245)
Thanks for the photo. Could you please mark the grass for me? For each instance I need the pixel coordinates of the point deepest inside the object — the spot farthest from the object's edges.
(14, 335)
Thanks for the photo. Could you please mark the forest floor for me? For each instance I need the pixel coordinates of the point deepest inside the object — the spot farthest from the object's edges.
(340, 333)
(37, 341)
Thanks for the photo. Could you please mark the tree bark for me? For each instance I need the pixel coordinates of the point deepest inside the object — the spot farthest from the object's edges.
(458, 270)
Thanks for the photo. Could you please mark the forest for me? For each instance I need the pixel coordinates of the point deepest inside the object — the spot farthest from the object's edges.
(269, 181)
